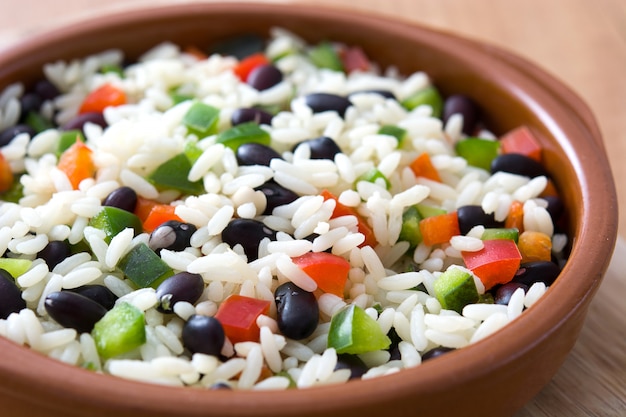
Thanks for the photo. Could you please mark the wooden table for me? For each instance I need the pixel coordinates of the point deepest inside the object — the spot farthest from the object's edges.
(583, 43)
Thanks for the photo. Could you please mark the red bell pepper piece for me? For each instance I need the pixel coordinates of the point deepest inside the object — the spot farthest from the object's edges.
(6, 175)
(343, 210)
(77, 163)
(328, 270)
(238, 315)
(246, 65)
(353, 59)
(422, 166)
(440, 228)
(159, 214)
(521, 140)
(105, 96)
(496, 263)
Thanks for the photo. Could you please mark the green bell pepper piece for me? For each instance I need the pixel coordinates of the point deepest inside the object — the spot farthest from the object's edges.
(144, 268)
(455, 288)
(429, 96)
(248, 132)
(353, 331)
(373, 175)
(173, 173)
(201, 119)
(324, 56)
(113, 220)
(396, 131)
(501, 233)
(67, 139)
(121, 330)
(410, 231)
(478, 152)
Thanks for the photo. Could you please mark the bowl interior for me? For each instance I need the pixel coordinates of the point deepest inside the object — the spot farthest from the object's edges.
(510, 91)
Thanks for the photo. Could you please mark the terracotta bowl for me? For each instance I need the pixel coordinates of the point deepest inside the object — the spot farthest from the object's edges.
(494, 377)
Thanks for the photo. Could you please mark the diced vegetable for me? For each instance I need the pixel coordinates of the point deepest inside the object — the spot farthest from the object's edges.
(160, 214)
(77, 163)
(201, 119)
(324, 55)
(440, 228)
(428, 96)
(244, 133)
(426, 210)
(501, 233)
(515, 218)
(6, 175)
(422, 166)
(196, 52)
(105, 96)
(392, 130)
(69, 138)
(455, 288)
(343, 210)
(238, 315)
(121, 330)
(522, 141)
(329, 271)
(496, 263)
(38, 122)
(353, 59)
(246, 65)
(144, 268)
(173, 173)
(535, 246)
(15, 266)
(192, 151)
(478, 152)
(113, 220)
(375, 176)
(353, 331)
(410, 231)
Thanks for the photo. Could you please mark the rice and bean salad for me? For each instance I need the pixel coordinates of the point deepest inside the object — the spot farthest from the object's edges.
(269, 214)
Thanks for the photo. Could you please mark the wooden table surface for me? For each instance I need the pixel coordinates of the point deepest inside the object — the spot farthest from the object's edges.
(583, 43)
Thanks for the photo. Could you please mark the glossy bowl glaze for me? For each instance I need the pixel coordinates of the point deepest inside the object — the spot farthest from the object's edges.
(493, 377)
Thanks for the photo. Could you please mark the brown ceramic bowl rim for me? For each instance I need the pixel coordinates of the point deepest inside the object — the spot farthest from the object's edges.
(594, 239)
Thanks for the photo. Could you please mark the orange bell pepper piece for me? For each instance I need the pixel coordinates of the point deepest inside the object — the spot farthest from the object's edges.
(104, 96)
(440, 228)
(343, 210)
(328, 270)
(422, 166)
(77, 163)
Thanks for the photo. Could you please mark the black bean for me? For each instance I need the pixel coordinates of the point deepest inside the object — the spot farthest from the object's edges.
(276, 195)
(7, 135)
(73, 310)
(203, 334)
(248, 233)
(537, 271)
(436, 352)
(384, 93)
(264, 77)
(470, 216)
(255, 154)
(504, 292)
(30, 102)
(98, 293)
(124, 198)
(79, 121)
(394, 349)
(320, 102)
(518, 164)
(297, 311)
(352, 362)
(465, 106)
(322, 147)
(55, 252)
(250, 114)
(11, 300)
(171, 235)
(183, 286)
(46, 90)
(240, 46)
